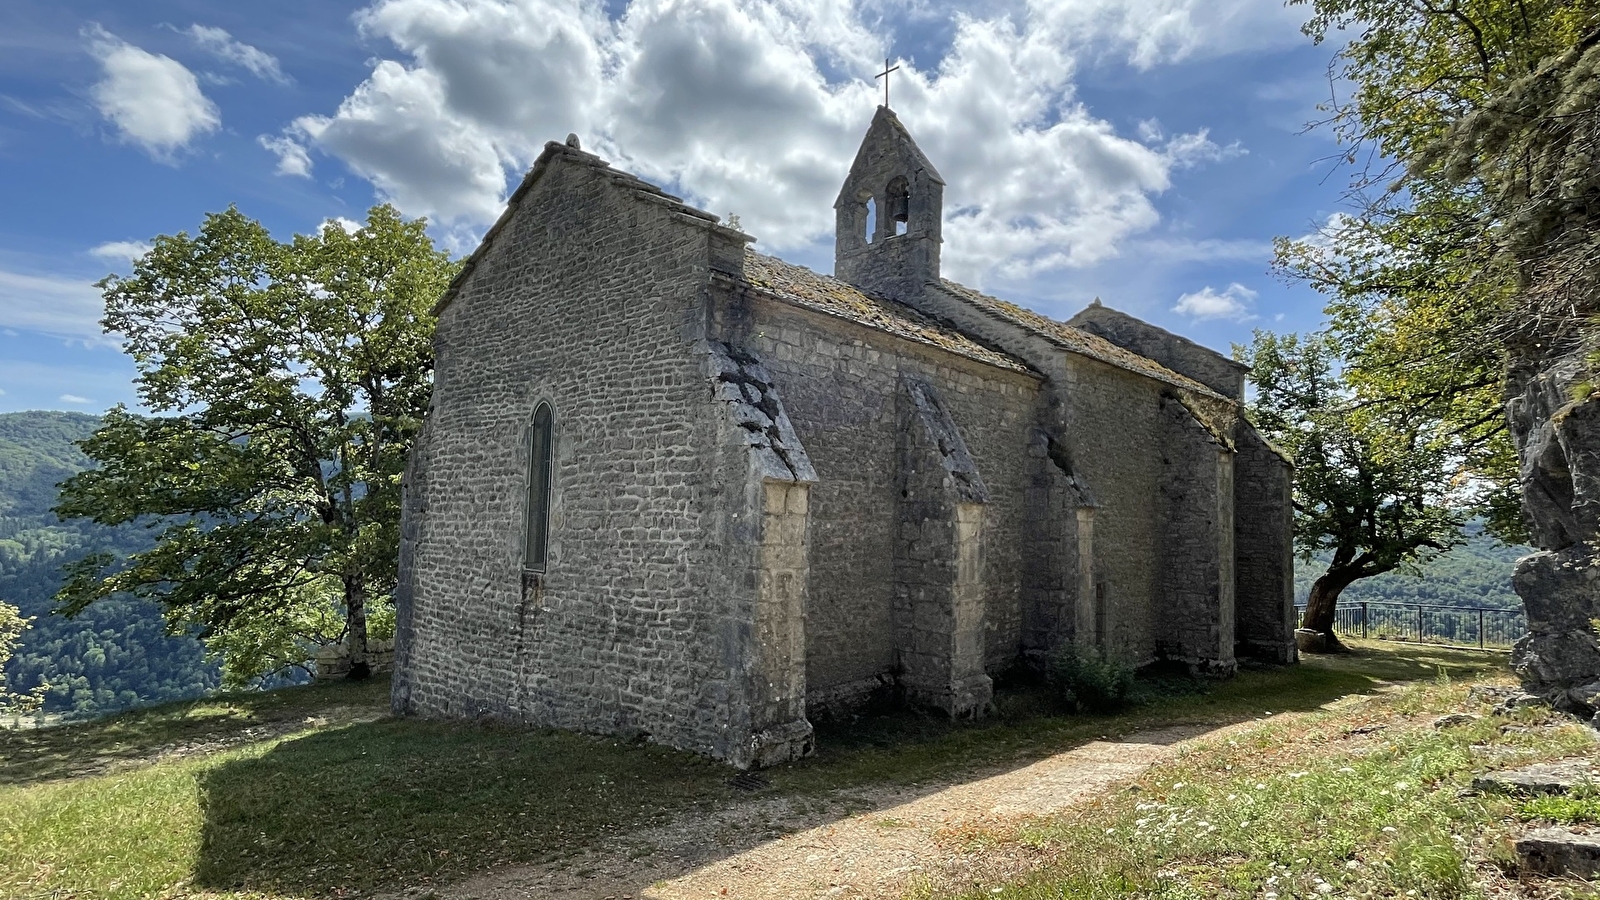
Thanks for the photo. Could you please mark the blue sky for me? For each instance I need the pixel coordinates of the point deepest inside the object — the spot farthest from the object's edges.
(1142, 151)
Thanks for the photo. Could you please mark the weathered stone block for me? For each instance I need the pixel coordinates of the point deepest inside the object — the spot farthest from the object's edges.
(1542, 778)
(1559, 851)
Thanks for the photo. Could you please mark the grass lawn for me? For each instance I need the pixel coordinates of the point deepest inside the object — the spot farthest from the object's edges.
(314, 791)
(1358, 801)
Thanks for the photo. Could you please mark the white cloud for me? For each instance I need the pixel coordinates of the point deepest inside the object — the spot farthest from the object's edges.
(121, 251)
(1189, 150)
(1149, 33)
(397, 132)
(755, 107)
(292, 156)
(221, 44)
(1207, 250)
(1338, 227)
(75, 399)
(61, 307)
(1235, 302)
(153, 100)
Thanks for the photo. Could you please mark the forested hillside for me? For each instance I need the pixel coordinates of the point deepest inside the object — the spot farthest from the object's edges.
(116, 654)
(1478, 573)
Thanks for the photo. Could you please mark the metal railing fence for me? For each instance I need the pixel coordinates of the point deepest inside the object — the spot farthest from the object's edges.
(1463, 626)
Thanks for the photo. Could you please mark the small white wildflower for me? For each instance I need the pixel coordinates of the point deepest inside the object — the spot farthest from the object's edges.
(1347, 769)
(1324, 888)
(1204, 824)
(1245, 824)
(1298, 774)
(1388, 829)
(1111, 831)
(996, 890)
(1179, 786)
(1401, 785)
(1261, 787)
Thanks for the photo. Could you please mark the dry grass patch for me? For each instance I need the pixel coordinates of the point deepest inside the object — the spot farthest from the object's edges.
(1357, 802)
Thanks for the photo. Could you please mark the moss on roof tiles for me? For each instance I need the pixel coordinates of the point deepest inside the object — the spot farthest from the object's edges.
(803, 287)
(1079, 341)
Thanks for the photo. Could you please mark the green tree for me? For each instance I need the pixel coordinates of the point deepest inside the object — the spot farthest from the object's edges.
(12, 625)
(1372, 488)
(288, 381)
(1469, 126)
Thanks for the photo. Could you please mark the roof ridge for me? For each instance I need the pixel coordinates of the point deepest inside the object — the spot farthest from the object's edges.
(1065, 335)
(836, 297)
(625, 180)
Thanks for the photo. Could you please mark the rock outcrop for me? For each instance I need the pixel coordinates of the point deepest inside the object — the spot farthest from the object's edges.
(1555, 423)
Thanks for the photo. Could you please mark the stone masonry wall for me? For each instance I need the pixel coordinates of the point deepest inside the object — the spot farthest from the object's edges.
(1179, 354)
(1263, 529)
(1104, 418)
(593, 299)
(840, 383)
(1112, 428)
(1197, 587)
(940, 597)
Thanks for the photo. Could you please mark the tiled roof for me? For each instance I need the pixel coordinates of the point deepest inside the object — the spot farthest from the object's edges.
(802, 287)
(1077, 340)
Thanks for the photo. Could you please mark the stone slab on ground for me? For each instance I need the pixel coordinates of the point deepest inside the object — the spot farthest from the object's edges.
(1309, 641)
(1559, 851)
(1557, 777)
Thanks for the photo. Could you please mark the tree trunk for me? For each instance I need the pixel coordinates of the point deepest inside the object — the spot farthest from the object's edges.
(1324, 600)
(355, 604)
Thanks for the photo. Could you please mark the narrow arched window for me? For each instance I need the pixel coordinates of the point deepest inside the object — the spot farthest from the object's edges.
(872, 218)
(540, 438)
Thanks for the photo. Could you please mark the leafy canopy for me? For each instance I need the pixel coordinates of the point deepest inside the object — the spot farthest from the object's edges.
(12, 625)
(1372, 487)
(288, 381)
(1464, 127)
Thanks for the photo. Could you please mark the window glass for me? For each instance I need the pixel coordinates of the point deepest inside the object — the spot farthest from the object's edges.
(538, 535)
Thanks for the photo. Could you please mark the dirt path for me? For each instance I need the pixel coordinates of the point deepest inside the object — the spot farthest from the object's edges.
(792, 848)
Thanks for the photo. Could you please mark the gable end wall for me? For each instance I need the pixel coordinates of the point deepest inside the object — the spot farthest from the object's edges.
(592, 300)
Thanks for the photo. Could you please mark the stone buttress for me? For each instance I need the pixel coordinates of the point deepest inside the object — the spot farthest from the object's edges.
(679, 491)
(939, 587)
(768, 521)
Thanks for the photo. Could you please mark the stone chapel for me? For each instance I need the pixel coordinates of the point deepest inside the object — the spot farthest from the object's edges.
(676, 489)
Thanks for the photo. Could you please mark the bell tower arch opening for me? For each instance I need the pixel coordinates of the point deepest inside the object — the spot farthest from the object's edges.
(889, 214)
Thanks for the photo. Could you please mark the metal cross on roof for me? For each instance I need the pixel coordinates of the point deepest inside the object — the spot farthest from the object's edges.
(885, 76)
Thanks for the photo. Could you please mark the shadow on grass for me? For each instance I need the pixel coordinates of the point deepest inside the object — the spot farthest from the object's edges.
(203, 725)
(402, 801)
(399, 803)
